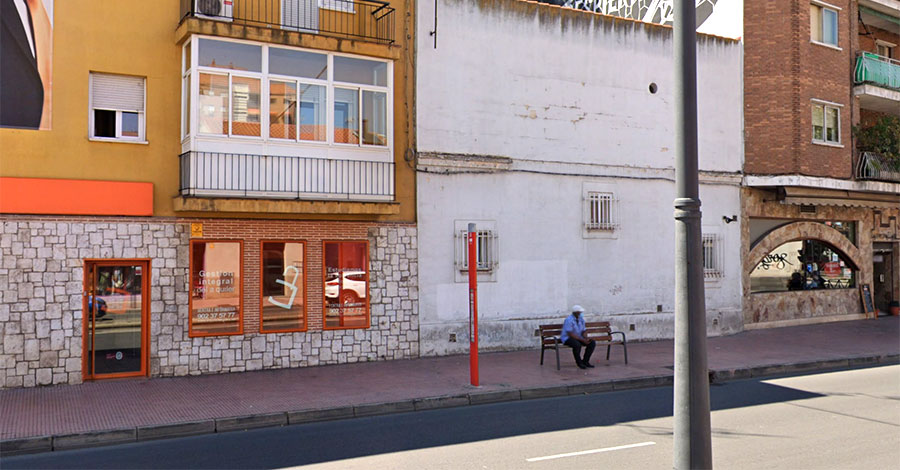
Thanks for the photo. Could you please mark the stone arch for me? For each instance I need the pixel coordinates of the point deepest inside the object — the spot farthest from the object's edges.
(797, 231)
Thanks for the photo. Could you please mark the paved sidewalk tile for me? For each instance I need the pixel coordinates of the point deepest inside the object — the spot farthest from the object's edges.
(94, 413)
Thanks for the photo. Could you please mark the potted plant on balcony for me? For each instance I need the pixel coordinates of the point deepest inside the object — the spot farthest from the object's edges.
(883, 139)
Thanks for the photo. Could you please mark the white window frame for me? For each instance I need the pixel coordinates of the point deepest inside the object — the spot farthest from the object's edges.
(141, 138)
(607, 228)
(193, 70)
(487, 238)
(837, 32)
(713, 256)
(345, 6)
(826, 105)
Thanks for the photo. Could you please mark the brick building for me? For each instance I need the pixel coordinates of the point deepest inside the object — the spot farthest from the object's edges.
(234, 196)
(820, 205)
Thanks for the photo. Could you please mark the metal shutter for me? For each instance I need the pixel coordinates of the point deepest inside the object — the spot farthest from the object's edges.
(117, 92)
(300, 14)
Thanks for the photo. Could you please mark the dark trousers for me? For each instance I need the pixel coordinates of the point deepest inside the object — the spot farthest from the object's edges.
(576, 349)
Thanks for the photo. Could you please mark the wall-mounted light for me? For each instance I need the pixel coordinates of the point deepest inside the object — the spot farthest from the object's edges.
(729, 220)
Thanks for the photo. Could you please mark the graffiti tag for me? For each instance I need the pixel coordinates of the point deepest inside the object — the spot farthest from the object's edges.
(779, 260)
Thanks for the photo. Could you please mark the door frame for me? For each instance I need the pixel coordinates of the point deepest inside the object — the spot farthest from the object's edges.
(146, 265)
(885, 289)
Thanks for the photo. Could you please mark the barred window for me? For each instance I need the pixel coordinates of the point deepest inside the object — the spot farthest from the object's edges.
(712, 256)
(486, 254)
(600, 211)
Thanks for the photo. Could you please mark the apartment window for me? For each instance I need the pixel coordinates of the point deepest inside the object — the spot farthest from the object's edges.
(826, 122)
(345, 6)
(346, 284)
(282, 287)
(216, 303)
(278, 93)
(884, 48)
(600, 211)
(117, 107)
(712, 256)
(823, 23)
(485, 246)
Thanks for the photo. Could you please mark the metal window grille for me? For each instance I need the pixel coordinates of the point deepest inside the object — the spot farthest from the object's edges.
(601, 211)
(712, 256)
(486, 254)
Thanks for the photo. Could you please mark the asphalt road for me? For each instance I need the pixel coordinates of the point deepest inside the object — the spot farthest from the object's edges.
(840, 420)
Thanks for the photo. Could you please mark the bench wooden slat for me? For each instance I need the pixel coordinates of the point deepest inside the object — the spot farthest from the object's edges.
(601, 332)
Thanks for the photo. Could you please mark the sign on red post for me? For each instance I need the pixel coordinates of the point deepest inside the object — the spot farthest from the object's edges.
(473, 305)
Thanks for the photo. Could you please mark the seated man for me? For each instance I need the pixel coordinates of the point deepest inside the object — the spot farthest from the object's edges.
(573, 336)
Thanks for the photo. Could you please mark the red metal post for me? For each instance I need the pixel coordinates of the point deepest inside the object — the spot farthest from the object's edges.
(473, 305)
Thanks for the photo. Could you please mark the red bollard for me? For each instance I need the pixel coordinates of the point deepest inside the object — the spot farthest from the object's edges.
(473, 305)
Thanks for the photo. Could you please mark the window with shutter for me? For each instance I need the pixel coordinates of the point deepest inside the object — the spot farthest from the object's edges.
(300, 14)
(117, 107)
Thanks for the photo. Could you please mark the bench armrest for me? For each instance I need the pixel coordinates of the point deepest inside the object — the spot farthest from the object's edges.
(611, 333)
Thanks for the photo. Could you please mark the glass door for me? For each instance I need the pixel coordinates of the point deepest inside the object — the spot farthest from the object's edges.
(116, 318)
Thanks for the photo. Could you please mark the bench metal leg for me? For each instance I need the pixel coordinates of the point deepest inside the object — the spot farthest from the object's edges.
(557, 354)
(542, 354)
(624, 349)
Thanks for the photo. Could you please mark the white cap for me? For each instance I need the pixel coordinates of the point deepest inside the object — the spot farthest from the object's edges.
(577, 308)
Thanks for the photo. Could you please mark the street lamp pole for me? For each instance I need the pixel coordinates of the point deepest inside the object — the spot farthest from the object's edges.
(693, 447)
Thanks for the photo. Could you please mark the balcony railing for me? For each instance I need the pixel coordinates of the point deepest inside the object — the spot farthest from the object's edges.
(873, 166)
(368, 20)
(280, 177)
(878, 70)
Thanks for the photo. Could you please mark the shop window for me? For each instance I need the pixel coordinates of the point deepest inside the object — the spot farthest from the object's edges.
(826, 121)
(216, 303)
(823, 23)
(283, 287)
(117, 107)
(847, 229)
(712, 256)
(346, 284)
(803, 265)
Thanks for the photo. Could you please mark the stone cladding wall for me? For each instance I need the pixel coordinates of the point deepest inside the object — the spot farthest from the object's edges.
(873, 225)
(42, 281)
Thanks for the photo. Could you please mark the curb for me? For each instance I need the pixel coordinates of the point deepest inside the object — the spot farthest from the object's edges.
(38, 444)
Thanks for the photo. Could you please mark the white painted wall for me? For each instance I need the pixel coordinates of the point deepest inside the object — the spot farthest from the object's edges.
(567, 101)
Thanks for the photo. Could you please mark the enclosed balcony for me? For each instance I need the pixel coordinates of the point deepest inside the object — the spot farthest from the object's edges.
(364, 20)
(231, 182)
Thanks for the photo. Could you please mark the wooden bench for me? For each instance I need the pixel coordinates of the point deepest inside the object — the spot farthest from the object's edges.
(599, 331)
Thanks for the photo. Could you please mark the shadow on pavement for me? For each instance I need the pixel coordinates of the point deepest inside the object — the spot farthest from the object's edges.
(337, 440)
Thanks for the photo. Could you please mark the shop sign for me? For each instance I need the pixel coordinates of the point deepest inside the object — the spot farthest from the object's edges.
(832, 268)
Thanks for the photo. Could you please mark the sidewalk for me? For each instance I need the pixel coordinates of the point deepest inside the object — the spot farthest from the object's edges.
(117, 411)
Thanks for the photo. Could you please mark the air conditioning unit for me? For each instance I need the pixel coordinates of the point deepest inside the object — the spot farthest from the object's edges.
(214, 9)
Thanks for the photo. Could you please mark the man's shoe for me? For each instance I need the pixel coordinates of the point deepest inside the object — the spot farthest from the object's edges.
(588, 364)
(581, 365)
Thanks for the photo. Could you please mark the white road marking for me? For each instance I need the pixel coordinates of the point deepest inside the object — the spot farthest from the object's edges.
(592, 451)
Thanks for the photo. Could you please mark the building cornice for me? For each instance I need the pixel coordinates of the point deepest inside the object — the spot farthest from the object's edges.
(757, 181)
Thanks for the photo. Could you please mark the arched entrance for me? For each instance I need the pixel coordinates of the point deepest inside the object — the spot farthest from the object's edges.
(800, 271)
